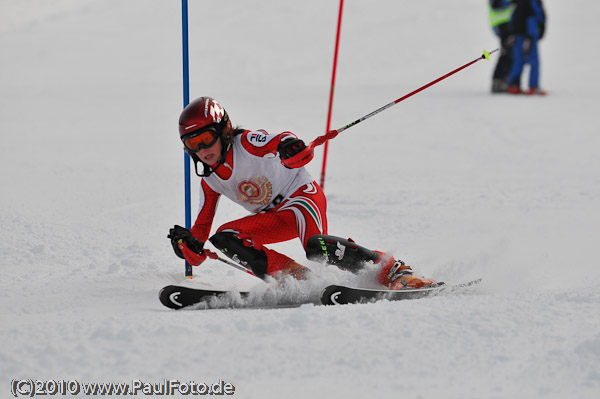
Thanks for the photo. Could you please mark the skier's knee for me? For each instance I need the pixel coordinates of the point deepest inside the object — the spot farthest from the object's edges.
(241, 251)
(341, 252)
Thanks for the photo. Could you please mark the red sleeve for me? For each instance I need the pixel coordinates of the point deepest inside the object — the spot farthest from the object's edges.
(260, 143)
(208, 205)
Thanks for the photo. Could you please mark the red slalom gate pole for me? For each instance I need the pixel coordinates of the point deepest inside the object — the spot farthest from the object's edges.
(335, 57)
(331, 134)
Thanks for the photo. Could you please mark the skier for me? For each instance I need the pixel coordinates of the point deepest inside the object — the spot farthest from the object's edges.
(528, 25)
(265, 174)
(500, 13)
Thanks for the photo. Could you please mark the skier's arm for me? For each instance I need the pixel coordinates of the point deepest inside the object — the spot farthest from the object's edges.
(189, 244)
(259, 143)
(208, 206)
(538, 12)
(187, 247)
(540, 17)
(293, 151)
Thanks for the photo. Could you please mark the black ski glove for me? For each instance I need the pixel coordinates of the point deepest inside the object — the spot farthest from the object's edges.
(290, 147)
(294, 153)
(181, 233)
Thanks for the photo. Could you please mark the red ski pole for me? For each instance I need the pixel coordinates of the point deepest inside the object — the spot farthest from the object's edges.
(335, 57)
(291, 162)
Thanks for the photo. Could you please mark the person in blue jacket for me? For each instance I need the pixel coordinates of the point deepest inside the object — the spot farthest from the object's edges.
(528, 24)
(500, 13)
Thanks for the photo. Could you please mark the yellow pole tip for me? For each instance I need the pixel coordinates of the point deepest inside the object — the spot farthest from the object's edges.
(486, 55)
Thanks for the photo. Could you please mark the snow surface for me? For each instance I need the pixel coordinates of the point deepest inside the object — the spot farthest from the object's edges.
(459, 183)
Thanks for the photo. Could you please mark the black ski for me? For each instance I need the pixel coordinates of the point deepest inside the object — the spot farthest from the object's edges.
(341, 295)
(177, 297)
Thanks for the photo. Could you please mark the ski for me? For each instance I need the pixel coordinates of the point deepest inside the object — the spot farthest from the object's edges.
(342, 295)
(178, 297)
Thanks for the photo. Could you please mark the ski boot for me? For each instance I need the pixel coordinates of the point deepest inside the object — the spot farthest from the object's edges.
(296, 270)
(349, 256)
(499, 86)
(536, 91)
(396, 275)
(514, 89)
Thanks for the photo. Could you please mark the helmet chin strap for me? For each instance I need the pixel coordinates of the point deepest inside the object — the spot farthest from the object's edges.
(207, 169)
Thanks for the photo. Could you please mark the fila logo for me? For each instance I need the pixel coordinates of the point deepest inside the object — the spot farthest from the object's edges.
(259, 138)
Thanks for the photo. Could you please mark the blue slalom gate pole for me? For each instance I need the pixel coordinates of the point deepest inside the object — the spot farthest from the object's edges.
(186, 101)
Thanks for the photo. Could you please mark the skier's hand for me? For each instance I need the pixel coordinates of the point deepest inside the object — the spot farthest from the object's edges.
(294, 153)
(195, 258)
(187, 247)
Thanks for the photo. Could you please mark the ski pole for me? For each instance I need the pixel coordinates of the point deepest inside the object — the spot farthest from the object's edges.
(329, 108)
(239, 267)
(331, 134)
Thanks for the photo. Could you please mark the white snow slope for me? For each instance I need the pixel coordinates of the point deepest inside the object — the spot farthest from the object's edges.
(459, 183)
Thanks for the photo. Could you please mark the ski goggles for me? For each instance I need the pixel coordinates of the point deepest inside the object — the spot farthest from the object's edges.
(201, 138)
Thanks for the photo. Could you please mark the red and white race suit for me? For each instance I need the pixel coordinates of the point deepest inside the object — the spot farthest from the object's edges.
(284, 203)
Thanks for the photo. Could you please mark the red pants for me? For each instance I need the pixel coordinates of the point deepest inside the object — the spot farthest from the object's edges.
(301, 215)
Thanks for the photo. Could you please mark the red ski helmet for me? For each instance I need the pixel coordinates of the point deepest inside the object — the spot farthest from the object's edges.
(206, 112)
(202, 114)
